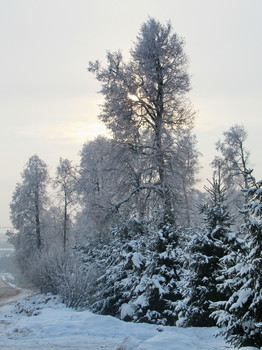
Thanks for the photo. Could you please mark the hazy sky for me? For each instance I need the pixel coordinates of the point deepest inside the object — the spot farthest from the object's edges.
(48, 100)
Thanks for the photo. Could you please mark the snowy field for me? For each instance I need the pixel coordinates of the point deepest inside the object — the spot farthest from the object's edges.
(42, 322)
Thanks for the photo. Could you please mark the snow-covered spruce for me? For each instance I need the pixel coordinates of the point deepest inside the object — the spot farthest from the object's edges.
(139, 271)
(207, 245)
(240, 315)
(155, 297)
(118, 265)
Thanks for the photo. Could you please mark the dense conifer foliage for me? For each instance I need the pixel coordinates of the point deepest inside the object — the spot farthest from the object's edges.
(241, 313)
(207, 246)
(157, 294)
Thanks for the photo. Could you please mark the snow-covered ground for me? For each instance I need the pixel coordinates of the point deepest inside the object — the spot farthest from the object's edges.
(42, 322)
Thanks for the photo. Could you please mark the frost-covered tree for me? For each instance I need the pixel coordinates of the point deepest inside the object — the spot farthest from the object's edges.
(106, 177)
(145, 104)
(150, 118)
(27, 210)
(240, 315)
(234, 164)
(65, 183)
(40, 252)
(206, 247)
(184, 166)
(234, 158)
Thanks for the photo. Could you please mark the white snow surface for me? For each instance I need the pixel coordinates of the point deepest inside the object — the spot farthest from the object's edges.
(44, 322)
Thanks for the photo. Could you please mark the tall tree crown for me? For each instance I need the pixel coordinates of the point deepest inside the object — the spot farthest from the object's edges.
(145, 93)
(159, 55)
(234, 158)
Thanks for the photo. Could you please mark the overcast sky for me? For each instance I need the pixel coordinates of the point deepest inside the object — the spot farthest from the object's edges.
(48, 100)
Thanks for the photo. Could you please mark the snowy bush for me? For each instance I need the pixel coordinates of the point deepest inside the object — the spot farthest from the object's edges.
(60, 272)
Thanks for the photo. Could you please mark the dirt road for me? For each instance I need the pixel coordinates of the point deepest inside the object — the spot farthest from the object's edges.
(6, 290)
(9, 293)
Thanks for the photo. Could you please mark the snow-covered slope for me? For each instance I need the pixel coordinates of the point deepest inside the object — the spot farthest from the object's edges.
(43, 322)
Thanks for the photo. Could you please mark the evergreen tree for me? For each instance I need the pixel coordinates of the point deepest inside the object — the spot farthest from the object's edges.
(241, 315)
(156, 296)
(138, 273)
(118, 264)
(205, 249)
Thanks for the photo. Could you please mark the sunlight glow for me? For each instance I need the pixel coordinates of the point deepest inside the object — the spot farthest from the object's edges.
(79, 132)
